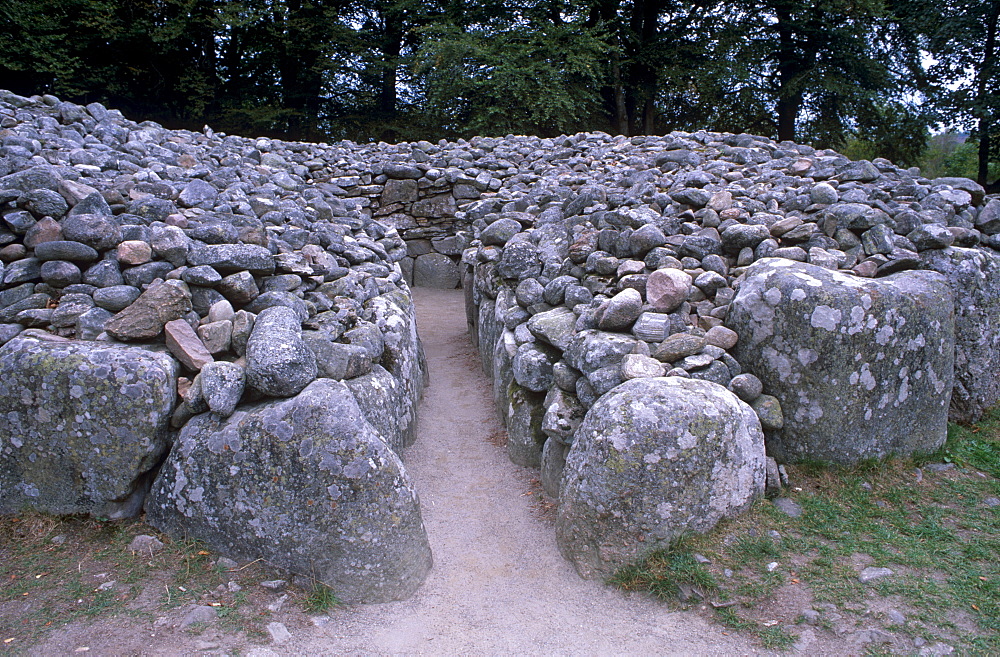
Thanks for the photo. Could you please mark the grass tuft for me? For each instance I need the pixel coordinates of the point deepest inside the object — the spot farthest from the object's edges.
(320, 599)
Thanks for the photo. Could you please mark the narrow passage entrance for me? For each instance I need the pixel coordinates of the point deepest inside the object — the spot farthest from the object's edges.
(499, 584)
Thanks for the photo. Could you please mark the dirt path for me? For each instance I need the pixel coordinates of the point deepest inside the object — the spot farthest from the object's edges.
(499, 585)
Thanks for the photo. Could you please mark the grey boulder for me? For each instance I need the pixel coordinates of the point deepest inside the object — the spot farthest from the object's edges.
(655, 459)
(862, 368)
(82, 425)
(305, 484)
(974, 278)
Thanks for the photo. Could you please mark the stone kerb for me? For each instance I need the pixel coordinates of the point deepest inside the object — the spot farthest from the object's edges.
(661, 262)
(156, 282)
(589, 262)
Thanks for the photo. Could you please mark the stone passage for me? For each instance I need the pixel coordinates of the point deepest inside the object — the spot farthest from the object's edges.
(178, 309)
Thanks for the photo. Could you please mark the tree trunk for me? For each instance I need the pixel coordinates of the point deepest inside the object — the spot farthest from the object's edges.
(392, 45)
(621, 113)
(789, 101)
(986, 72)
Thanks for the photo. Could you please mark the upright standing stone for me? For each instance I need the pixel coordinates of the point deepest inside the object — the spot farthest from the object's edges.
(863, 368)
(655, 459)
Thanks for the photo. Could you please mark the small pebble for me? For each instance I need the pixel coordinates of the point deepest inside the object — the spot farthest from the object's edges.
(199, 614)
(279, 633)
(895, 617)
(225, 563)
(700, 558)
(145, 544)
(773, 566)
(788, 506)
(274, 584)
(991, 502)
(278, 604)
(872, 573)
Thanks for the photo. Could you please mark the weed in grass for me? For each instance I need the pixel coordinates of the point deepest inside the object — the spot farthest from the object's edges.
(771, 636)
(664, 571)
(320, 599)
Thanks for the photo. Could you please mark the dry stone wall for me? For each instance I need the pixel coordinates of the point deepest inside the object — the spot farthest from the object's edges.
(654, 312)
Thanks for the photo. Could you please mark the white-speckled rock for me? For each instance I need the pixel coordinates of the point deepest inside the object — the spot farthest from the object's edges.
(974, 277)
(652, 460)
(863, 368)
(81, 425)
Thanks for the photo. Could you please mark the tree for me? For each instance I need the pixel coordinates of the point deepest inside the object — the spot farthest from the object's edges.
(536, 78)
(819, 61)
(954, 56)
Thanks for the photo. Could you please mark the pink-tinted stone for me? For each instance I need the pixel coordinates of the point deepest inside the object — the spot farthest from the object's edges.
(185, 345)
(667, 288)
(134, 252)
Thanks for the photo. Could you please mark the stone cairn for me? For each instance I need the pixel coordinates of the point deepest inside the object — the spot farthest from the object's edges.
(219, 329)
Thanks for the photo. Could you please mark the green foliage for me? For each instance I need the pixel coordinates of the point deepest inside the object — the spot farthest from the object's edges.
(663, 571)
(828, 72)
(532, 79)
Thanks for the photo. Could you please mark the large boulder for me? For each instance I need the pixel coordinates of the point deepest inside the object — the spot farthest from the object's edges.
(305, 484)
(974, 277)
(863, 368)
(655, 459)
(82, 425)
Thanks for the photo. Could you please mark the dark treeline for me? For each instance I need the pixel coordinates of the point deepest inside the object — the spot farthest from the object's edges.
(868, 76)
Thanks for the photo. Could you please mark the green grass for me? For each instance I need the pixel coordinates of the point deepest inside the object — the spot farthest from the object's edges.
(319, 599)
(936, 534)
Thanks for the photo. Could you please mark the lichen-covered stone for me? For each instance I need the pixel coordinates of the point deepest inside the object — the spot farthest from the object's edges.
(403, 355)
(525, 438)
(81, 425)
(279, 363)
(862, 368)
(974, 278)
(387, 405)
(653, 460)
(305, 484)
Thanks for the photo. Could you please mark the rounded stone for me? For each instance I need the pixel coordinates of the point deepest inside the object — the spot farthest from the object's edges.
(59, 273)
(667, 288)
(65, 250)
(620, 311)
(723, 337)
(747, 387)
(134, 252)
(116, 297)
(653, 460)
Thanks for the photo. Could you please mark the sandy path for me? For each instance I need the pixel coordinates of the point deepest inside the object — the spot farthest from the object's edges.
(499, 585)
